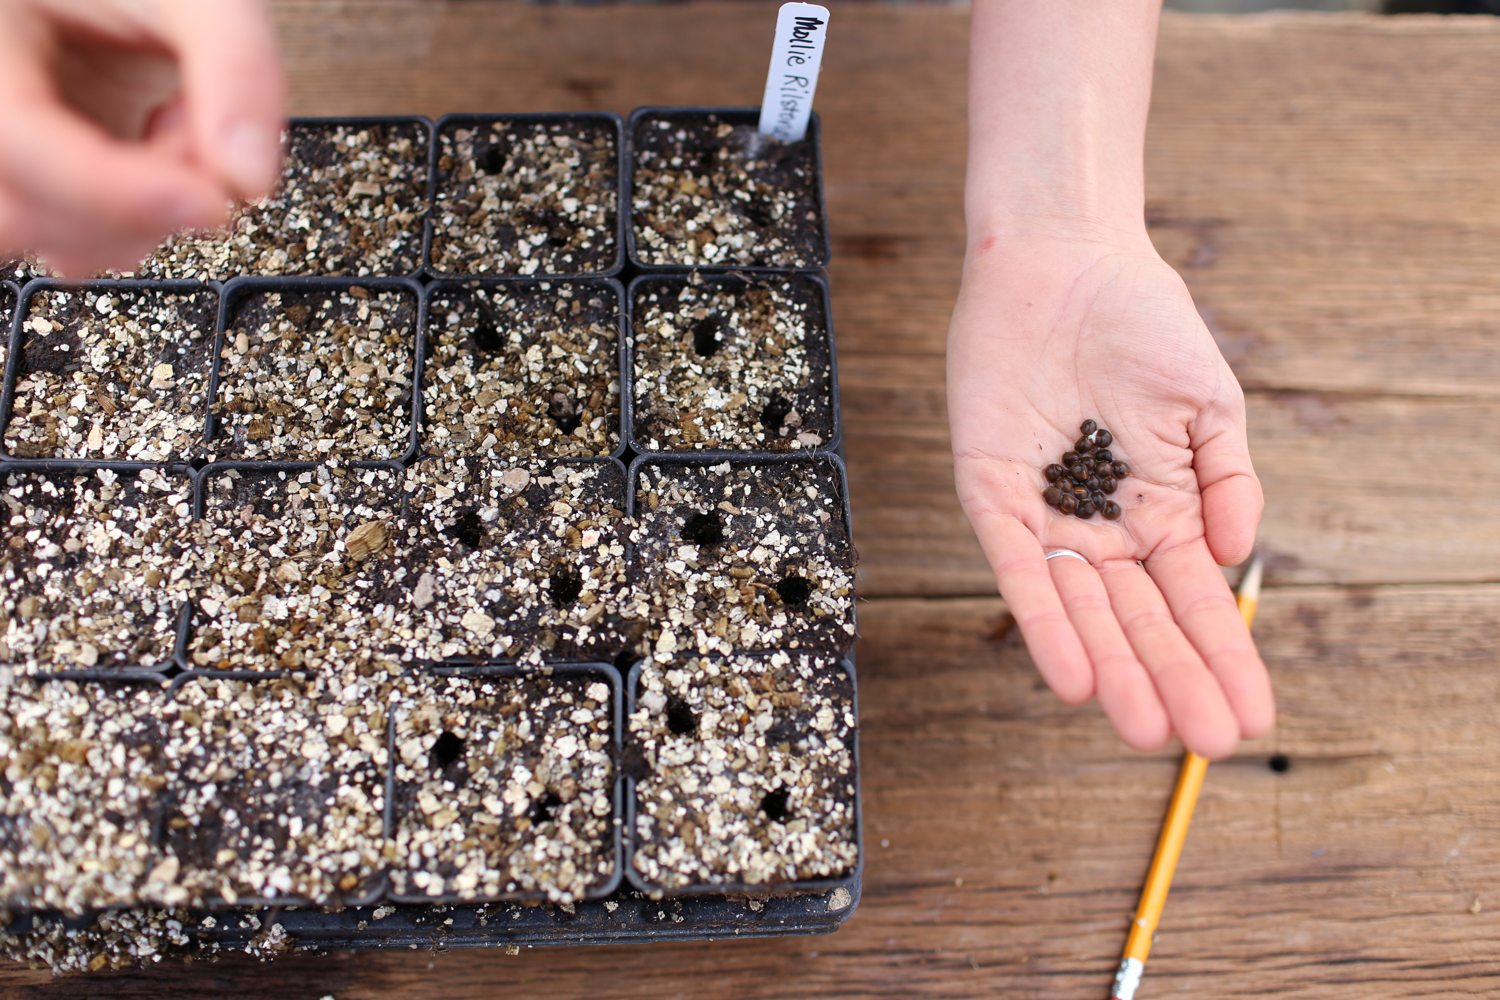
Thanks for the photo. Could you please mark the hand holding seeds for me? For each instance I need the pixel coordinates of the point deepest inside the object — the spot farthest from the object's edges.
(1082, 382)
(126, 120)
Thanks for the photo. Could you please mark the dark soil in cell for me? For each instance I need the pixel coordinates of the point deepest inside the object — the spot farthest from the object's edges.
(277, 791)
(113, 373)
(744, 556)
(518, 562)
(303, 569)
(94, 568)
(748, 772)
(731, 364)
(709, 193)
(526, 198)
(352, 202)
(317, 374)
(522, 372)
(79, 792)
(504, 788)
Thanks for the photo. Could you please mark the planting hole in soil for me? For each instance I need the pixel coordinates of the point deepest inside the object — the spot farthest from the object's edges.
(680, 718)
(794, 590)
(774, 805)
(704, 528)
(446, 750)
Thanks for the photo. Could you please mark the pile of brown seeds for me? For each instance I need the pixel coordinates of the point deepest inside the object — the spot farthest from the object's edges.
(113, 373)
(503, 786)
(526, 197)
(95, 568)
(730, 364)
(352, 201)
(317, 375)
(522, 372)
(748, 770)
(708, 193)
(1082, 482)
(744, 556)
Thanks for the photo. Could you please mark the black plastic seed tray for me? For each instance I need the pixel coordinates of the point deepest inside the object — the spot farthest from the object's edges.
(734, 116)
(622, 908)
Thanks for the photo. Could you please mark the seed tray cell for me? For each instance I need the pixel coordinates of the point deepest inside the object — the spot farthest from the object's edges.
(298, 570)
(534, 195)
(742, 774)
(78, 803)
(275, 793)
(745, 554)
(316, 371)
(111, 371)
(522, 370)
(352, 201)
(726, 363)
(96, 568)
(707, 190)
(504, 787)
(517, 561)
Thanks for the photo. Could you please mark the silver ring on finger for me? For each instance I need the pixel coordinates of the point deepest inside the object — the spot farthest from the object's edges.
(1067, 554)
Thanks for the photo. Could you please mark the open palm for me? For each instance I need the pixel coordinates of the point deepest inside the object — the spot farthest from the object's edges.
(1076, 329)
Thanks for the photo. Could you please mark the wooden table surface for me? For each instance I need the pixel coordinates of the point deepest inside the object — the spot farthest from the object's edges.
(1330, 188)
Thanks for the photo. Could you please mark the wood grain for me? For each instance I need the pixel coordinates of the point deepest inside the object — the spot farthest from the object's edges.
(1008, 834)
(1327, 186)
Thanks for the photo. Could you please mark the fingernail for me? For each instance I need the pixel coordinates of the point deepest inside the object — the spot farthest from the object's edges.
(252, 159)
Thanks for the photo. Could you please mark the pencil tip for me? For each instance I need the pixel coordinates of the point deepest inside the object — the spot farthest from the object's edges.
(1250, 580)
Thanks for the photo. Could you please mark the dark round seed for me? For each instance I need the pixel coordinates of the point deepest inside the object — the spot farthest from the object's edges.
(1086, 509)
(1083, 446)
(1103, 455)
(1054, 473)
(1079, 471)
(1108, 484)
(1121, 470)
(1111, 510)
(1103, 439)
(1052, 495)
(1079, 490)
(1069, 457)
(1068, 504)
(1088, 427)
(1092, 482)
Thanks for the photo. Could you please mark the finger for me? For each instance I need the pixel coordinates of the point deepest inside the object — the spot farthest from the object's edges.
(168, 130)
(233, 86)
(1195, 703)
(1021, 572)
(1123, 686)
(1205, 610)
(58, 164)
(1231, 493)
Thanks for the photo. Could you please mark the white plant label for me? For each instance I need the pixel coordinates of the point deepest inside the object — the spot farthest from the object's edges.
(801, 29)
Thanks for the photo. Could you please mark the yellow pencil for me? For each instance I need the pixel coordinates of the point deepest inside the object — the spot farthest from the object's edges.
(1173, 834)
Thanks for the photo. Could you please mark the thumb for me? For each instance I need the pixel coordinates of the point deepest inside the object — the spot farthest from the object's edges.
(1231, 493)
(233, 89)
